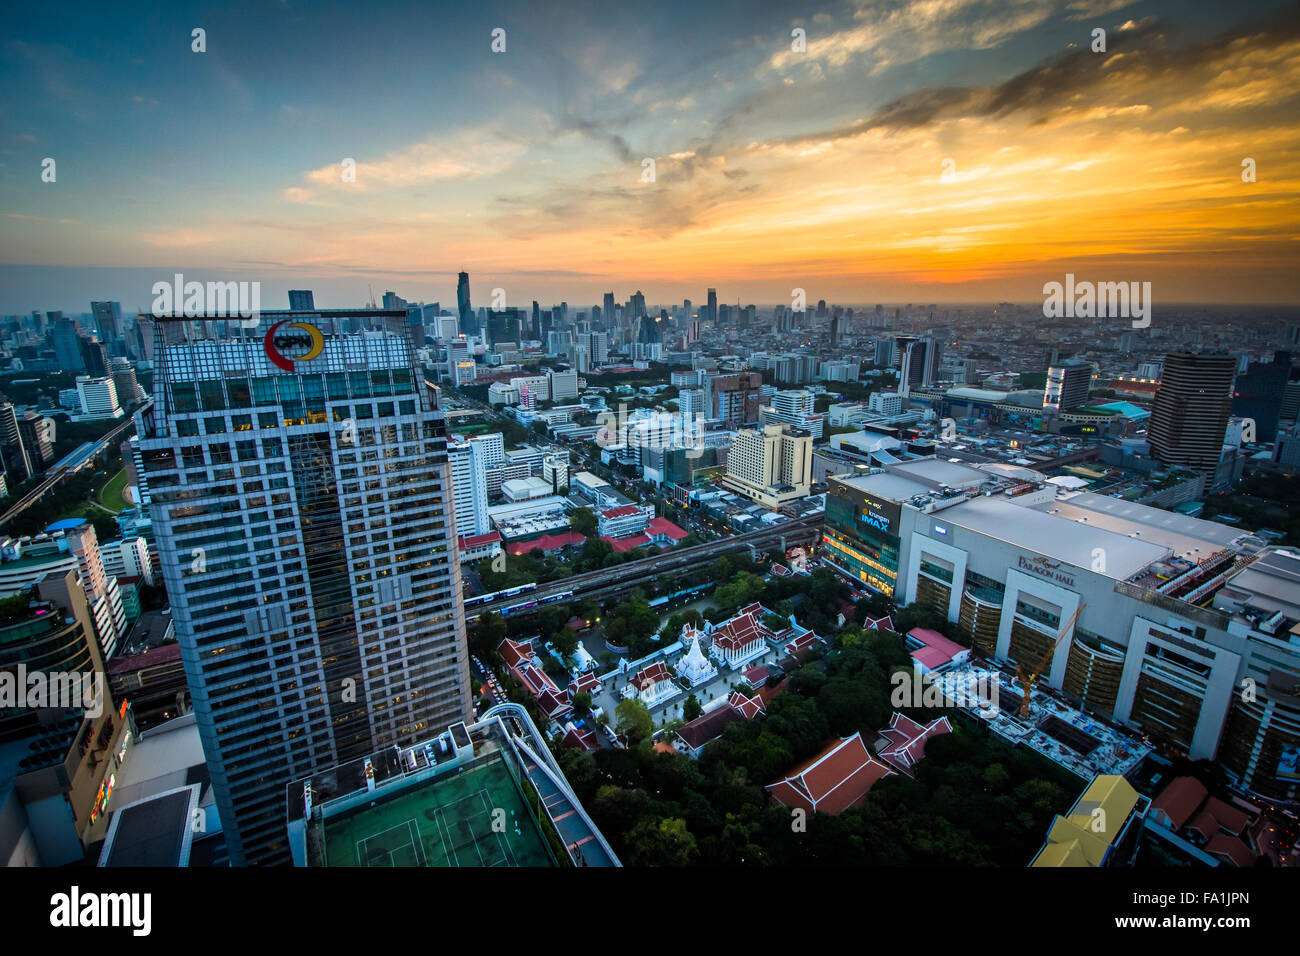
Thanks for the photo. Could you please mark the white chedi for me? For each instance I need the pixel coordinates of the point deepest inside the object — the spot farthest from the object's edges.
(694, 666)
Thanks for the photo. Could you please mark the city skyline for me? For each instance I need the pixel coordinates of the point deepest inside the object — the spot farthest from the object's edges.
(1002, 153)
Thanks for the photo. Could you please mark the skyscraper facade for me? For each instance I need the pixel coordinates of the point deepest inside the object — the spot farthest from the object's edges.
(108, 320)
(1190, 413)
(1068, 385)
(468, 323)
(304, 519)
(301, 300)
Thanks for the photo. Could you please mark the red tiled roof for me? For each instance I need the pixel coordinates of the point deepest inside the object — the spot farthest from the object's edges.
(581, 739)
(513, 653)
(755, 674)
(622, 511)
(477, 540)
(748, 707)
(742, 630)
(937, 649)
(906, 740)
(1230, 818)
(1230, 848)
(1180, 799)
(654, 673)
(781, 571)
(704, 728)
(801, 643)
(547, 542)
(554, 701)
(885, 623)
(627, 543)
(662, 526)
(587, 681)
(833, 781)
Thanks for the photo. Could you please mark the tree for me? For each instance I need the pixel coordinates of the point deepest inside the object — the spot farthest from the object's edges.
(489, 632)
(632, 721)
(692, 708)
(583, 521)
(664, 842)
(582, 702)
(565, 642)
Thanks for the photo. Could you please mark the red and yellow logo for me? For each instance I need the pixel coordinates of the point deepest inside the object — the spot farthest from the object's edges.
(312, 341)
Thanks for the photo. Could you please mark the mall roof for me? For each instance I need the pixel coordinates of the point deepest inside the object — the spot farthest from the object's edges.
(934, 472)
(1187, 537)
(1055, 536)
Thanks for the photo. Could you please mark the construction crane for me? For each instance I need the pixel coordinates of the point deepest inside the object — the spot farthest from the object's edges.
(1027, 678)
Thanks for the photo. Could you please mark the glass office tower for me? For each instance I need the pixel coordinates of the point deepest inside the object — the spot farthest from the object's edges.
(302, 503)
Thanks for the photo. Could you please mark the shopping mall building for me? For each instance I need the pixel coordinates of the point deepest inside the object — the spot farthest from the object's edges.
(1189, 630)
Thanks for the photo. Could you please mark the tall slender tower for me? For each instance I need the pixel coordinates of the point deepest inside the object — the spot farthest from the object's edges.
(468, 323)
(303, 509)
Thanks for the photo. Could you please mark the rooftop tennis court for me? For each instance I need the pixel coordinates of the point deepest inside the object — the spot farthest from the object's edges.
(476, 817)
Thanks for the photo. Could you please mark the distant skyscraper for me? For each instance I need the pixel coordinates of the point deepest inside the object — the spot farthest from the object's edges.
(1068, 385)
(638, 305)
(535, 332)
(67, 345)
(713, 307)
(318, 611)
(1258, 394)
(301, 300)
(1189, 416)
(108, 320)
(504, 325)
(468, 323)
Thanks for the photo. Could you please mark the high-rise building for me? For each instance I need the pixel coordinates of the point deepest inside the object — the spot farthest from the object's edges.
(772, 465)
(17, 461)
(301, 300)
(1189, 416)
(108, 320)
(1068, 385)
(308, 553)
(795, 407)
(37, 433)
(469, 467)
(713, 307)
(504, 325)
(735, 398)
(1259, 391)
(66, 339)
(468, 322)
(98, 397)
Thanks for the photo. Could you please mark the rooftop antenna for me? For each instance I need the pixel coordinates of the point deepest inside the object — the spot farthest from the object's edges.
(371, 304)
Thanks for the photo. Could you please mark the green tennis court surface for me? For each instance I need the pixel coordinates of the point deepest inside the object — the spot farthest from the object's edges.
(476, 817)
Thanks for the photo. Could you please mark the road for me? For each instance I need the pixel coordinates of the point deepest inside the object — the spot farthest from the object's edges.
(622, 578)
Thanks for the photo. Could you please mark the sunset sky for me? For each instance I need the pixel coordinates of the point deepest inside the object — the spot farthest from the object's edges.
(822, 169)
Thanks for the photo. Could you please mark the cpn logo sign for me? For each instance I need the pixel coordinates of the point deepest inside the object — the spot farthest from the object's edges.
(309, 338)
